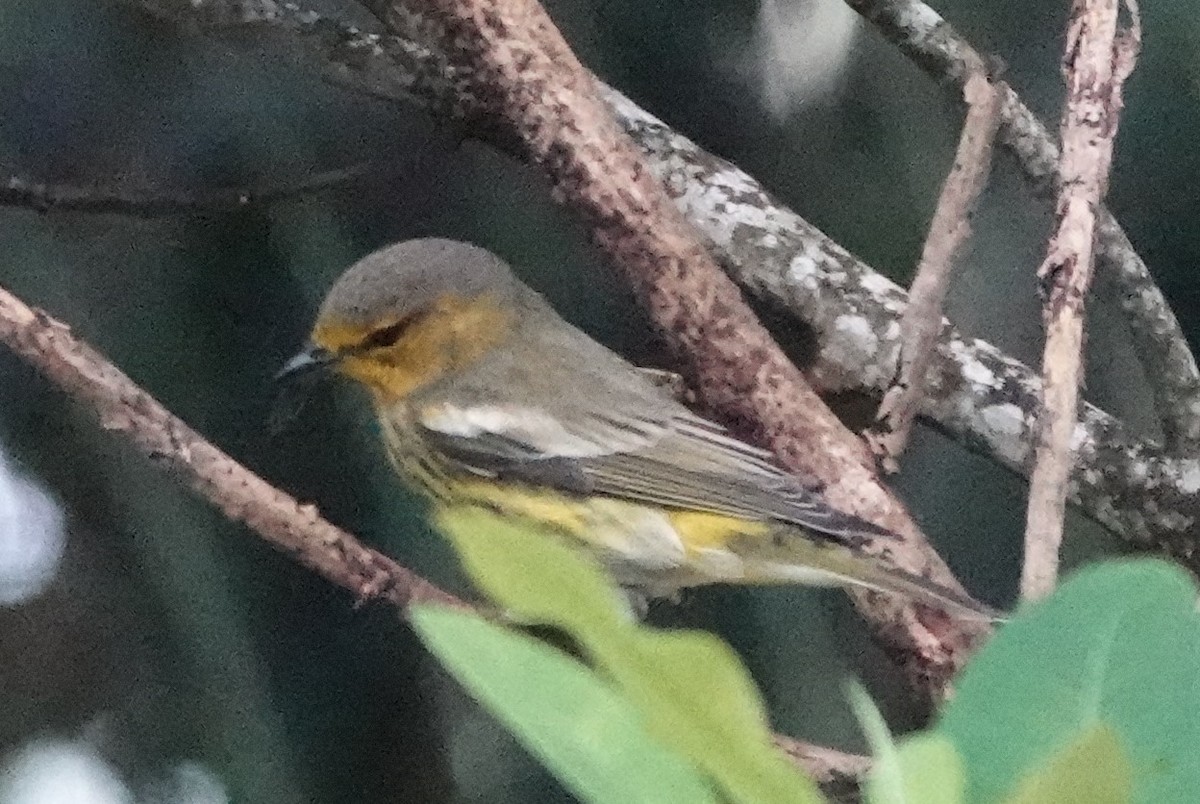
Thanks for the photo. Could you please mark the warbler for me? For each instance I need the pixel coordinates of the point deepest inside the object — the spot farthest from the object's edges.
(486, 397)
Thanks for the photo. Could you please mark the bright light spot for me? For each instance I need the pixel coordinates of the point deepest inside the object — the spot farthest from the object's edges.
(799, 51)
(60, 772)
(189, 783)
(1189, 478)
(32, 537)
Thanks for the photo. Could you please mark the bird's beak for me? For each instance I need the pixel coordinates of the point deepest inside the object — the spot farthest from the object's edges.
(311, 359)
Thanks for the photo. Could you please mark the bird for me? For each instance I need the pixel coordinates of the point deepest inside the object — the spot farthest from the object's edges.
(487, 398)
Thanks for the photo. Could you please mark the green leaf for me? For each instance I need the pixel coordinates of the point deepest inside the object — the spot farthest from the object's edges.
(1117, 646)
(924, 769)
(1092, 770)
(532, 574)
(583, 731)
(701, 701)
(887, 777)
(932, 770)
(691, 689)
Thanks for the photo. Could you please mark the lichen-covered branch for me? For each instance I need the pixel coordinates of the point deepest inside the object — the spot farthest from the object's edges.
(921, 322)
(976, 393)
(925, 37)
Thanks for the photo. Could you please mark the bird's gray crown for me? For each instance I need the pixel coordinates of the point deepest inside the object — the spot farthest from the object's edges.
(408, 276)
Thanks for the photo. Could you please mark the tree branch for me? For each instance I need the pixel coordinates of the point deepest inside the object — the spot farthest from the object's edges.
(978, 395)
(151, 201)
(510, 57)
(1170, 367)
(839, 774)
(294, 528)
(504, 71)
(921, 322)
(1096, 64)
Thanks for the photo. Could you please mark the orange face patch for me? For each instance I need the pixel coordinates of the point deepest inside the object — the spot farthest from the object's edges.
(449, 333)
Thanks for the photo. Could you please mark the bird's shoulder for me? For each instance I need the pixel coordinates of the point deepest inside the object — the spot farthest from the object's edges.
(552, 385)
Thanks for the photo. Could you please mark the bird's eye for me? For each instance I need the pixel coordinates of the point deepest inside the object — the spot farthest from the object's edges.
(386, 336)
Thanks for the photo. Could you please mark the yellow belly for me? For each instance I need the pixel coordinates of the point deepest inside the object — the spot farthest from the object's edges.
(657, 549)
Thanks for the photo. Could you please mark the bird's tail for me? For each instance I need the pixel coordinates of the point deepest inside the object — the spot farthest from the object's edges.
(795, 557)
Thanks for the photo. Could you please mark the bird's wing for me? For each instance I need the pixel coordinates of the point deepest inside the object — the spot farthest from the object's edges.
(668, 457)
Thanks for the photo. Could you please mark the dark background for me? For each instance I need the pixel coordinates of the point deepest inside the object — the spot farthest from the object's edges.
(151, 651)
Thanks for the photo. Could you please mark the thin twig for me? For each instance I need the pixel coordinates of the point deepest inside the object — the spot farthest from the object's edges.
(1096, 63)
(294, 528)
(922, 321)
(925, 37)
(155, 201)
(510, 57)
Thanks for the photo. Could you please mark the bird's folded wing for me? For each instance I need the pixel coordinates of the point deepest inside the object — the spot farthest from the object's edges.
(678, 460)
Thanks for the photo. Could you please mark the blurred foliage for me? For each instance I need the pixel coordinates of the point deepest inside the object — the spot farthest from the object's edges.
(172, 637)
(1085, 697)
(1105, 669)
(689, 688)
(1093, 769)
(926, 769)
(592, 739)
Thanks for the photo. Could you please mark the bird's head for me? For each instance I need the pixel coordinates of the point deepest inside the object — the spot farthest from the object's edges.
(406, 315)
